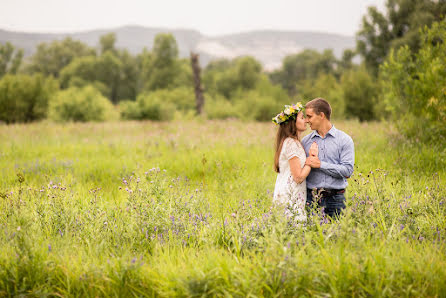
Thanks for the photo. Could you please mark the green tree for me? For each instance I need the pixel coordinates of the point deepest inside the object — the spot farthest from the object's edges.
(10, 59)
(360, 94)
(398, 26)
(229, 77)
(327, 87)
(50, 59)
(107, 43)
(129, 76)
(303, 66)
(414, 86)
(105, 69)
(164, 63)
(248, 72)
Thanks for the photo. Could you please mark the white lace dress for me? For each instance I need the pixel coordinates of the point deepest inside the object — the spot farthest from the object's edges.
(287, 192)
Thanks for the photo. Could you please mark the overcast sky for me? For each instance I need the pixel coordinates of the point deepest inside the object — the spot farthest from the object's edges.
(210, 17)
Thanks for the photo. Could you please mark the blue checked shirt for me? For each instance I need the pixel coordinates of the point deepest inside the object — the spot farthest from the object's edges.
(337, 156)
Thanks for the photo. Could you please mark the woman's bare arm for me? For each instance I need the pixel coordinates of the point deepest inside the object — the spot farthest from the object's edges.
(299, 174)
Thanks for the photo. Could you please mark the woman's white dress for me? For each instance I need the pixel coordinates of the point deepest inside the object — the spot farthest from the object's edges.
(287, 192)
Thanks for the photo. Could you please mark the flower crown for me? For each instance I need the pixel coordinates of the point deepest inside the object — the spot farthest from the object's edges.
(290, 112)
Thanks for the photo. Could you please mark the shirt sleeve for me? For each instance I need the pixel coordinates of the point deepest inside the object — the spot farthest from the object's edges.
(345, 168)
(291, 148)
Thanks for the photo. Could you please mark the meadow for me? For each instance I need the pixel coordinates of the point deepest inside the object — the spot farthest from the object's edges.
(184, 208)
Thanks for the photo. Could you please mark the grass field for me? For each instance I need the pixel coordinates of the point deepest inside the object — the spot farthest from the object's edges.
(185, 209)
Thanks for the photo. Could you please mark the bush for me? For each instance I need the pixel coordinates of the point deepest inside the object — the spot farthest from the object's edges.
(81, 104)
(25, 98)
(219, 108)
(152, 107)
(129, 110)
(253, 106)
(159, 105)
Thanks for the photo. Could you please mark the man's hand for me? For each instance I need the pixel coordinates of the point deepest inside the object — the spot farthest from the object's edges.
(313, 161)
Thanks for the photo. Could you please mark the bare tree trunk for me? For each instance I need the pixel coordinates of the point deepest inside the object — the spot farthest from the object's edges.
(197, 82)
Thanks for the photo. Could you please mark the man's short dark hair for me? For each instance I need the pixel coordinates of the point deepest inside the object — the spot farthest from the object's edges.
(319, 105)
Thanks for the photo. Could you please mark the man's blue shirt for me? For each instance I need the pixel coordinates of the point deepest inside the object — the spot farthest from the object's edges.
(337, 156)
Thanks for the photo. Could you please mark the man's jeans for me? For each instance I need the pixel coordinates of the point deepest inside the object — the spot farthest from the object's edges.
(333, 205)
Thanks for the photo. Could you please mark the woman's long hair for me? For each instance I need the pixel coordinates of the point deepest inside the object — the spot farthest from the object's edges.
(286, 130)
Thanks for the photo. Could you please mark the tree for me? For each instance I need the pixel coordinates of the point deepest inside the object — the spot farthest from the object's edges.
(328, 87)
(360, 94)
(10, 59)
(107, 43)
(105, 69)
(164, 64)
(248, 72)
(414, 86)
(198, 87)
(398, 26)
(347, 59)
(303, 66)
(50, 59)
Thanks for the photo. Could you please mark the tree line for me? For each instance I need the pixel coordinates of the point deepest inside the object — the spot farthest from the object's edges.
(401, 75)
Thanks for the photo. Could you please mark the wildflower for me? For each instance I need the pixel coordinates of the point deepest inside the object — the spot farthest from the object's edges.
(49, 247)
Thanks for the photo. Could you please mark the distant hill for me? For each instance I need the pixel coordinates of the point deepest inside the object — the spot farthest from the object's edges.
(269, 47)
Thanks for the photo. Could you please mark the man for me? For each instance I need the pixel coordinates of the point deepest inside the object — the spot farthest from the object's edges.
(334, 164)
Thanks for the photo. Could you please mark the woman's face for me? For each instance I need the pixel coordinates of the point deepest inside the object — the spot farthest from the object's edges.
(300, 122)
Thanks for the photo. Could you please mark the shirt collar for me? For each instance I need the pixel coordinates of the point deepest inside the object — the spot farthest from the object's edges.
(333, 131)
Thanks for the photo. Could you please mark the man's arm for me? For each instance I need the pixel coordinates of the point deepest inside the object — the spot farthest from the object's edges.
(345, 168)
(342, 170)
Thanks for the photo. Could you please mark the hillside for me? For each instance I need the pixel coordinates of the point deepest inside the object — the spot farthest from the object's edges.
(269, 47)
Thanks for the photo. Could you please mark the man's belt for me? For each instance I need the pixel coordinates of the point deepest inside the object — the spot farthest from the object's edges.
(326, 192)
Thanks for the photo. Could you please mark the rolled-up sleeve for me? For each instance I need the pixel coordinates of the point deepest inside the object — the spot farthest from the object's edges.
(344, 169)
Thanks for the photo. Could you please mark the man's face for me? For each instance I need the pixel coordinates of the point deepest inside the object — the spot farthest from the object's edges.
(313, 119)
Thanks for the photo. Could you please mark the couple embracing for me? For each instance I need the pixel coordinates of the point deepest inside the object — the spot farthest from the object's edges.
(312, 170)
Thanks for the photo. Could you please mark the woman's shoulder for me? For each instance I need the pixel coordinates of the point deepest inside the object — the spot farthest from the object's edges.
(291, 142)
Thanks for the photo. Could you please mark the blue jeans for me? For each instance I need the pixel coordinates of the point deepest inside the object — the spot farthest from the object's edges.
(333, 205)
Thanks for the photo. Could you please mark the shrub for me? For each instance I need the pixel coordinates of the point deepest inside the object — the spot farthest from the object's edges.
(152, 107)
(129, 110)
(253, 106)
(81, 104)
(159, 105)
(219, 108)
(24, 98)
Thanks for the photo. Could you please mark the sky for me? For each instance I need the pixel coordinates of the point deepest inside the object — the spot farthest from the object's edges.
(210, 17)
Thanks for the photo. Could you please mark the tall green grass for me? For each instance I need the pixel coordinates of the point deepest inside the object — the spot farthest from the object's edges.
(185, 209)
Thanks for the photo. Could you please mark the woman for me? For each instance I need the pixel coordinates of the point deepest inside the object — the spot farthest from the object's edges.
(289, 162)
